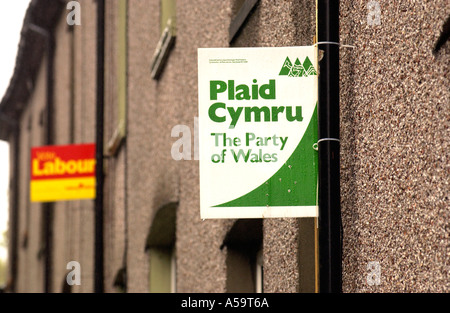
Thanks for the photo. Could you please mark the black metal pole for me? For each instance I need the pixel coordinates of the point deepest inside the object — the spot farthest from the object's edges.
(49, 206)
(330, 266)
(14, 212)
(98, 250)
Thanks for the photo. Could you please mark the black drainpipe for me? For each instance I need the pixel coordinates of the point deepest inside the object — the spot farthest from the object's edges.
(48, 207)
(330, 267)
(14, 257)
(99, 262)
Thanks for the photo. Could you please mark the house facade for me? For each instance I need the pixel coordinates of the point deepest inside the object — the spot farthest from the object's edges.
(394, 149)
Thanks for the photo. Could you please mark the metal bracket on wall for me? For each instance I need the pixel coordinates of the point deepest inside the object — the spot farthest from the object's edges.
(162, 50)
(113, 145)
(240, 18)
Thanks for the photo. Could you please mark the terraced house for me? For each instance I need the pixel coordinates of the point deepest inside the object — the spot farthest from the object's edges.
(121, 74)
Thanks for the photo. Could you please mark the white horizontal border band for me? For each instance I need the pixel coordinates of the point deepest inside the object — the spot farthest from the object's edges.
(259, 212)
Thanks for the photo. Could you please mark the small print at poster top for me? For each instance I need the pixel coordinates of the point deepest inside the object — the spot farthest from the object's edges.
(258, 132)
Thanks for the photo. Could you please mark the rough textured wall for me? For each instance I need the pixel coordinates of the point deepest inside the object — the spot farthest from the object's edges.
(114, 184)
(156, 106)
(85, 104)
(72, 221)
(277, 24)
(61, 124)
(152, 180)
(202, 263)
(395, 147)
(73, 225)
(30, 262)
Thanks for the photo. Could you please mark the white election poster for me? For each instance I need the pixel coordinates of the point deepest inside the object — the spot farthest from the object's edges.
(257, 132)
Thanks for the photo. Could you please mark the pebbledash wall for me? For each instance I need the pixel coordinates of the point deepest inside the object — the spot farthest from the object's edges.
(394, 100)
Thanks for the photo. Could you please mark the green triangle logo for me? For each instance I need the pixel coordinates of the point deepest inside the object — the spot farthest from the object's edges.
(309, 68)
(298, 69)
(286, 67)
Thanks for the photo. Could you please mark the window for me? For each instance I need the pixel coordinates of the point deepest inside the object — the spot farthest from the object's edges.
(244, 259)
(160, 247)
(308, 255)
(259, 279)
(162, 270)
